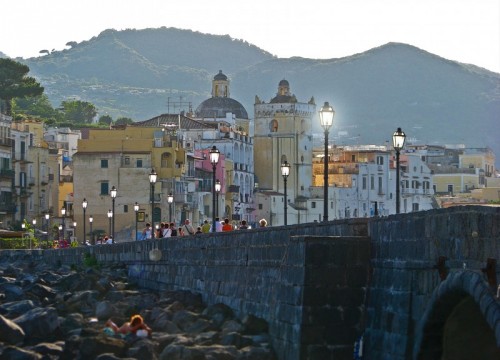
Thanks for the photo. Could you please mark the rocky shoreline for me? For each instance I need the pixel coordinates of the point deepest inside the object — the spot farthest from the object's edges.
(59, 313)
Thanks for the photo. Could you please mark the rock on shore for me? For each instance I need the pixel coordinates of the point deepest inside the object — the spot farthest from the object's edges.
(59, 313)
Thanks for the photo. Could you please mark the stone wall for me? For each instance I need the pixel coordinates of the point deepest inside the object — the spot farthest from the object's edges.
(307, 281)
(406, 250)
(310, 281)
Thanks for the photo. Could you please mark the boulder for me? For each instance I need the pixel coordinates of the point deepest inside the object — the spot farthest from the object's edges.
(38, 322)
(15, 308)
(91, 347)
(15, 353)
(105, 310)
(10, 332)
(181, 352)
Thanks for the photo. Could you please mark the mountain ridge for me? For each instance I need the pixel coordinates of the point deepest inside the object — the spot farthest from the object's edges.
(143, 73)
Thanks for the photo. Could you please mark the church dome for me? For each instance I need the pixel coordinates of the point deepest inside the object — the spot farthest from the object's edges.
(283, 95)
(284, 83)
(220, 76)
(217, 107)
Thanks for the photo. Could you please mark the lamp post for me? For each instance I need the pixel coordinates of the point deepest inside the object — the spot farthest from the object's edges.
(84, 206)
(34, 229)
(217, 191)
(74, 229)
(170, 200)
(398, 142)
(47, 224)
(91, 220)
(152, 180)
(113, 197)
(63, 213)
(214, 159)
(326, 114)
(60, 230)
(136, 210)
(285, 171)
(110, 215)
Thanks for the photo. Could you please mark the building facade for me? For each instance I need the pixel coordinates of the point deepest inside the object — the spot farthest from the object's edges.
(283, 132)
(124, 157)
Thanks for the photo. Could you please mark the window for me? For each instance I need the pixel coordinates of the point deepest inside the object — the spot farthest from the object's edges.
(125, 208)
(380, 190)
(450, 189)
(127, 160)
(414, 207)
(260, 206)
(104, 163)
(104, 188)
(372, 182)
(22, 179)
(138, 163)
(364, 182)
(313, 204)
(380, 160)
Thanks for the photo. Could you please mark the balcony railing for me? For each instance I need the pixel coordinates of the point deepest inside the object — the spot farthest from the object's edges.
(6, 142)
(7, 173)
(7, 207)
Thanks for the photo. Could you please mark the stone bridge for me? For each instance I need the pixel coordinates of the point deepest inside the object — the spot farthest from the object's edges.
(409, 286)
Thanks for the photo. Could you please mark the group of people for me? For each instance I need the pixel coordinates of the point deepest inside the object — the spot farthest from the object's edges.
(165, 229)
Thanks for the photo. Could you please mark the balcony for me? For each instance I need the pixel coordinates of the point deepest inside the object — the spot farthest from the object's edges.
(65, 178)
(8, 208)
(6, 142)
(180, 198)
(7, 174)
(23, 192)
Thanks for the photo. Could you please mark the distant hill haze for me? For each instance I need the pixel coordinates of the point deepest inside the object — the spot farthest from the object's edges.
(143, 73)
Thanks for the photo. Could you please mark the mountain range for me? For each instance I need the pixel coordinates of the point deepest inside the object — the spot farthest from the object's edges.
(143, 73)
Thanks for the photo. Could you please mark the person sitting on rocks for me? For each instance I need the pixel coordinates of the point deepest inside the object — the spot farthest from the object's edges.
(134, 326)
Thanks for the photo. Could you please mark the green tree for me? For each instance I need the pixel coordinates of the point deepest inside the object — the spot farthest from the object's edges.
(106, 119)
(36, 106)
(124, 121)
(14, 83)
(77, 111)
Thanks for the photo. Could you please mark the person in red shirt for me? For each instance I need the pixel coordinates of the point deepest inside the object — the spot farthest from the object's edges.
(227, 226)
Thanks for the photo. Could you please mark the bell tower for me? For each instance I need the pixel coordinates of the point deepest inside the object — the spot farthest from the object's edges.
(283, 131)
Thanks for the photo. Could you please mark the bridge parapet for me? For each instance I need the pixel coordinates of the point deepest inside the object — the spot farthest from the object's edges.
(412, 254)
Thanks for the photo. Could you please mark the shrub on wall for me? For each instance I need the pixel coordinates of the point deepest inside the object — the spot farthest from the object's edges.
(18, 243)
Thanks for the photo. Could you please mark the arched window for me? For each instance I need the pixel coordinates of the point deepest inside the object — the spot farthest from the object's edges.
(273, 125)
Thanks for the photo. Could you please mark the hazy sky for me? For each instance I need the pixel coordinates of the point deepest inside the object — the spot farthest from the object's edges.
(463, 30)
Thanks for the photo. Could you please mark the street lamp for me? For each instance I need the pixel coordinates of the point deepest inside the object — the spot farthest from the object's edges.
(214, 159)
(47, 224)
(74, 229)
(34, 229)
(113, 197)
(63, 213)
(136, 210)
(110, 215)
(91, 220)
(217, 191)
(326, 114)
(84, 206)
(152, 180)
(170, 200)
(398, 142)
(60, 231)
(285, 171)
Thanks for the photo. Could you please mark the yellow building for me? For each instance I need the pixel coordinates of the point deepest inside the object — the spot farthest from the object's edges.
(283, 132)
(123, 158)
